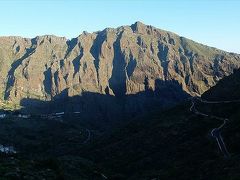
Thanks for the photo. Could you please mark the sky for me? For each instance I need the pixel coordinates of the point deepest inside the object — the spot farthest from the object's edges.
(211, 22)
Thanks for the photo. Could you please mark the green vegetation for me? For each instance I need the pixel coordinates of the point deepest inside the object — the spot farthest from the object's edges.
(198, 48)
(10, 106)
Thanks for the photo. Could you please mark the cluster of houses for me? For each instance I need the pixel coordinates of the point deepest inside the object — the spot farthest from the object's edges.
(57, 115)
(5, 114)
(7, 149)
(2, 116)
(54, 116)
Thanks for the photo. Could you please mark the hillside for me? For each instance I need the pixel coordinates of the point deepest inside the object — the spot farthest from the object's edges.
(119, 62)
(175, 143)
(226, 89)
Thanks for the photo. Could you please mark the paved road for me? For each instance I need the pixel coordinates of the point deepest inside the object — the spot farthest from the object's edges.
(216, 132)
(216, 102)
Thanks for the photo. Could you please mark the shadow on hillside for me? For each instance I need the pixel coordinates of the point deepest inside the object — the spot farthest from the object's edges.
(107, 109)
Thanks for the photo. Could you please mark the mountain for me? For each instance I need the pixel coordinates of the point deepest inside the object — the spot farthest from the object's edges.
(227, 89)
(175, 143)
(129, 61)
(170, 143)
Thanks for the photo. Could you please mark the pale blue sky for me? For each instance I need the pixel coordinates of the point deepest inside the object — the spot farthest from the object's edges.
(212, 22)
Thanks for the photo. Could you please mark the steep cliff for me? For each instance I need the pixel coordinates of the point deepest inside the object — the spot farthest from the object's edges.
(118, 62)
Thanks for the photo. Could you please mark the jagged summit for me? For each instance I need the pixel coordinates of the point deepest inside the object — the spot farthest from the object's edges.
(138, 26)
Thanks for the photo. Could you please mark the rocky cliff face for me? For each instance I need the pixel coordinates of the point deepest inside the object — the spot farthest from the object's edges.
(123, 61)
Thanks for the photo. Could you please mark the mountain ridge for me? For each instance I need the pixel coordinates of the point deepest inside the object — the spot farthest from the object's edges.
(116, 61)
(111, 28)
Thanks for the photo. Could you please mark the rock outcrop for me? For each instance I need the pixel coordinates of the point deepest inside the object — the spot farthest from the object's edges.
(123, 61)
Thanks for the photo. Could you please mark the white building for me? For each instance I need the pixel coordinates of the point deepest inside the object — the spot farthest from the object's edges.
(7, 149)
(2, 116)
(24, 116)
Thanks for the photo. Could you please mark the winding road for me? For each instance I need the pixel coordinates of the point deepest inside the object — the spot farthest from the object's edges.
(216, 132)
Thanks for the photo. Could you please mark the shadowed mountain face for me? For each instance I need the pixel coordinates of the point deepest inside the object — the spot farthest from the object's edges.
(161, 144)
(227, 89)
(116, 62)
(105, 110)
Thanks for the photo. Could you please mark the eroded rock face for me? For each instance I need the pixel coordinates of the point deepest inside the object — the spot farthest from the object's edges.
(116, 62)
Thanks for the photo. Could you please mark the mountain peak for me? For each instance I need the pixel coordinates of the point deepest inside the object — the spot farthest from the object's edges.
(138, 26)
(139, 23)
